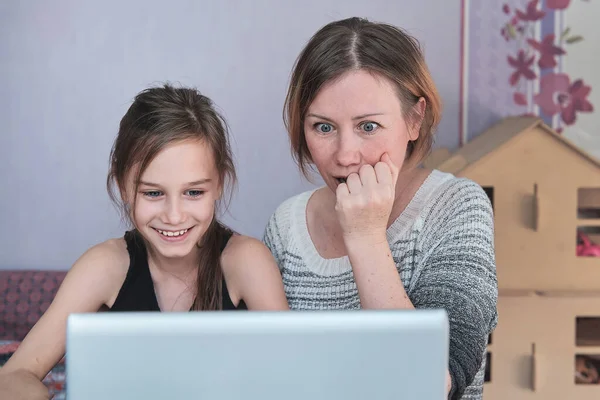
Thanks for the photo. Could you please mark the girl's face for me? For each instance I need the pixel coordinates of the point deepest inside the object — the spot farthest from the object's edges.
(353, 121)
(176, 198)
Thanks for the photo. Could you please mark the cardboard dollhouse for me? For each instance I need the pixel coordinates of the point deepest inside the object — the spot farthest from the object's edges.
(545, 193)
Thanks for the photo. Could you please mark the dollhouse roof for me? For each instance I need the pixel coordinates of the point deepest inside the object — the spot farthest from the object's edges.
(493, 139)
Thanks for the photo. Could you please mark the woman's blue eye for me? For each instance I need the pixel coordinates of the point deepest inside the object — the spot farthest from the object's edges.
(370, 126)
(323, 128)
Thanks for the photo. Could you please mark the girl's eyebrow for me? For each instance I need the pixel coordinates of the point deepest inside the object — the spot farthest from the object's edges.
(193, 183)
(199, 182)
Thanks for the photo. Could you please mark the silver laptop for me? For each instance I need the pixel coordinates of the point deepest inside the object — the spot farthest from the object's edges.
(289, 355)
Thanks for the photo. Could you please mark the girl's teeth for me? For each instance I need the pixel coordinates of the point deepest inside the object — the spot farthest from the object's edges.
(170, 233)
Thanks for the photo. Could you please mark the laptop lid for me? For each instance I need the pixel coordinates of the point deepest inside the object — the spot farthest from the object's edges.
(292, 355)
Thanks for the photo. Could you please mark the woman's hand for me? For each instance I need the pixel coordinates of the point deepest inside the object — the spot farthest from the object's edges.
(365, 201)
(22, 385)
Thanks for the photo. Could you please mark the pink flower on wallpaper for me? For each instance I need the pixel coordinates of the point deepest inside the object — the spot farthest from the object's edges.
(557, 4)
(523, 65)
(548, 51)
(532, 13)
(559, 95)
(520, 99)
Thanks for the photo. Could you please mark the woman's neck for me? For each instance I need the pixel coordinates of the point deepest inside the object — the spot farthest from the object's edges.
(408, 184)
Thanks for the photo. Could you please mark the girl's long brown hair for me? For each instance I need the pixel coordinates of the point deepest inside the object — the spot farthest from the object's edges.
(158, 117)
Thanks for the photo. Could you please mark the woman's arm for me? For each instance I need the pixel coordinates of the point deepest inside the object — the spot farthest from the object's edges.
(252, 274)
(363, 206)
(376, 276)
(378, 282)
(91, 282)
(457, 273)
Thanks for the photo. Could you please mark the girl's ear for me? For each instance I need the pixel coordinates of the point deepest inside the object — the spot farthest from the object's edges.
(125, 198)
(417, 115)
(219, 189)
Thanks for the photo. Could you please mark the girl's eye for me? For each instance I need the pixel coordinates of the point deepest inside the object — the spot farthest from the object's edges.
(323, 128)
(369, 126)
(195, 193)
(152, 193)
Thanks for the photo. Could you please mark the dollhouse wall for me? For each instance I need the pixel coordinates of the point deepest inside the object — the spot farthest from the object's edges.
(535, 181)
(535, 348)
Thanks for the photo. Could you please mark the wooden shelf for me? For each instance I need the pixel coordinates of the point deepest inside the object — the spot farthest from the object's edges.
(588, 222)
(547, 293)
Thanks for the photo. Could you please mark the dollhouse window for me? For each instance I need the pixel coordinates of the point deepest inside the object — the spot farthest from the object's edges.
(488, 361)
(489, 190)
(587, 364)
(587, 369)
(588, 203)
(588, 241)
(588, 235)
(488, 367)
(587, 331)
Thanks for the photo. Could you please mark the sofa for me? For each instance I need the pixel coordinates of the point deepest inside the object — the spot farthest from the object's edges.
(24, 296)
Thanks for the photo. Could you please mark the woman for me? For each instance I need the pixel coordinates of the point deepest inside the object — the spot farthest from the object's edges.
(382, 233)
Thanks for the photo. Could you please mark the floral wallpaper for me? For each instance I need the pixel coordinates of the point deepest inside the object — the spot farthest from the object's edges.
(529, 57)
(558, 93)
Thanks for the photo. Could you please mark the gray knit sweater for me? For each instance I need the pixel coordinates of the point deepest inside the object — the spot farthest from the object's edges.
(443, 247)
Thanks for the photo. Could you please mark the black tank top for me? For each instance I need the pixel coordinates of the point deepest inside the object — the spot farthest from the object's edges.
(137, 292)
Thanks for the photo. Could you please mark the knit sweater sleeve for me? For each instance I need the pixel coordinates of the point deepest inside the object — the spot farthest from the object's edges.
(458, 273)
(277, 230)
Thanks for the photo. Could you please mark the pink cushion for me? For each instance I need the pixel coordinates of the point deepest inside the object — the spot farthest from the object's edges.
(25, 295)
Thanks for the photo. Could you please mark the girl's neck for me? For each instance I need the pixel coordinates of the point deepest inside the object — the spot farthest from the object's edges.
(184, 269)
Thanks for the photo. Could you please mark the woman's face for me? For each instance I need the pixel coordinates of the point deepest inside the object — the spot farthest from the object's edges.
(353, 121)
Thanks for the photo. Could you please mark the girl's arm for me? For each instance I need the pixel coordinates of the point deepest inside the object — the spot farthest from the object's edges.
(252, 274)
(22, 385)
(94, 280)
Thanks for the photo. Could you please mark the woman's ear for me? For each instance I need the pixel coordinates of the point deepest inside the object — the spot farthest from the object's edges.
(416, 120)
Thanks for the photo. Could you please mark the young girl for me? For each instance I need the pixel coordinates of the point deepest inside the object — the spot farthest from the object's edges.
(170, 164)
(362, 108)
